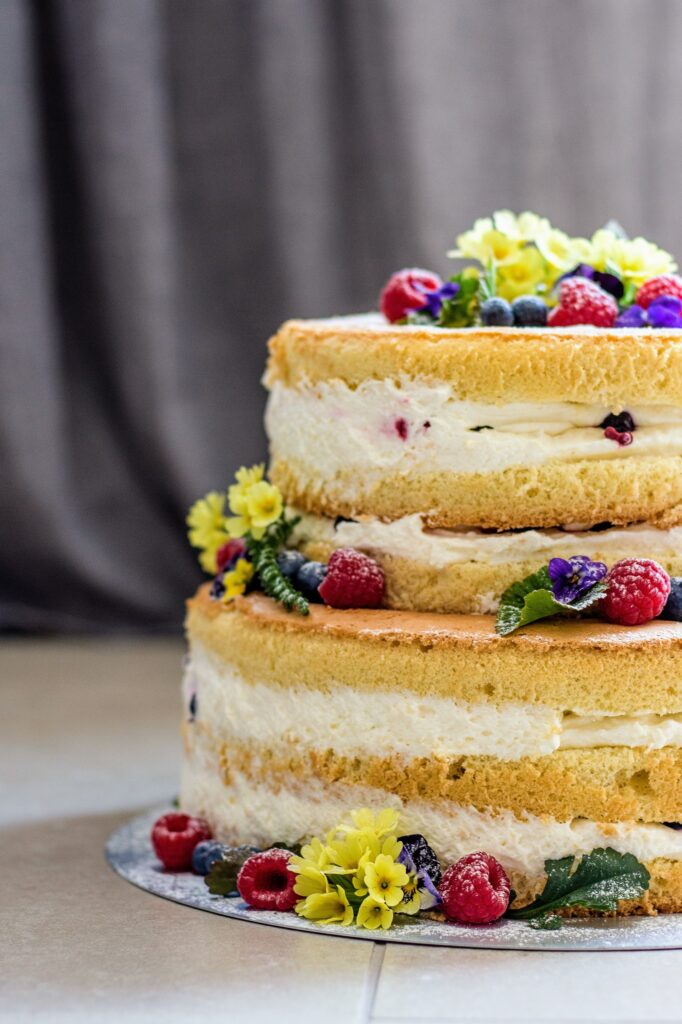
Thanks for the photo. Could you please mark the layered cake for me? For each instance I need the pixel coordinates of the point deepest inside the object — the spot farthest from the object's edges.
(457, 595)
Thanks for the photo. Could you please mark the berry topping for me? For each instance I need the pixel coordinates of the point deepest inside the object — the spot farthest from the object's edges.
(583, 302)
(405, 292)
(423, 857)
(308, 579)
(664, 284)
(622, 437)
(174, 837)
(622, 422)
(673, 606)
(402, 428)
(205, 854)
(290, 562)
(353, 580)
(475, 890)
(529, 311)
(227, 555)
(638, 589)
(496, 313)
(266, 883)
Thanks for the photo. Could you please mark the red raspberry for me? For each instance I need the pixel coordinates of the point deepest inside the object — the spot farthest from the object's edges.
(622, 437)
(664, 284)
(229, 552)
(266, 883)
(581, 301)
(401, 294)
(475, 890)
(174, 837)
(637, 591)
(353, 580)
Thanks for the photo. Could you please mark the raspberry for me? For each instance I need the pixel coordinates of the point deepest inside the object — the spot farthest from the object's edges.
(622, 437)
(228, 553)
(353, 580)
(266, 883)
(402, 293)
(637, 591)
(174, 837)
(475, 890)
(583, 302)
(664, 284)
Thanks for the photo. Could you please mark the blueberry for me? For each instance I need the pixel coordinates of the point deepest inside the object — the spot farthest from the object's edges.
(673, 606)
(423, 856)
(673, 824)
(496, 313)
(205, 855)
(308, 579)
(290, 562)
(217, 587)
(622, 422)
(193, 707)
(529, 311)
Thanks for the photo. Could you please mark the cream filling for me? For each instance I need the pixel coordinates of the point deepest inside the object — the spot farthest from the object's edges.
(249, 812)
(411, 425)
(409, 538)
(380, 723)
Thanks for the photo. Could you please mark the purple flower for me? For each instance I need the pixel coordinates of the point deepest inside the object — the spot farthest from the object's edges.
(633, 316)
(609, 282)
(665, 311)
(434, 299)
(573, 576)
(428, 893)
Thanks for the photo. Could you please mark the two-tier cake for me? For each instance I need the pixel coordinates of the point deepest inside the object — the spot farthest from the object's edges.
(415, 612)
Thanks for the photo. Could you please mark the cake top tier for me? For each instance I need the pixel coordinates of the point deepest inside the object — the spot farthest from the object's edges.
(493, 364)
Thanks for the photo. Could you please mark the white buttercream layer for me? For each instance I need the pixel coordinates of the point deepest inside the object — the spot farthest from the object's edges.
(250, 812)
(410, 425)
(380, 723)
(409, 538)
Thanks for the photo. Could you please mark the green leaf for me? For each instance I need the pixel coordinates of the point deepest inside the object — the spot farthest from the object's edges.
(264, 557)
(530, 599)
(460, 311)
(630, 290)
(600, 879)
(222, 878)
(546, 923)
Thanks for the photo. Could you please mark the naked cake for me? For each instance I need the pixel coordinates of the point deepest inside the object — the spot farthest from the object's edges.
(456, 601)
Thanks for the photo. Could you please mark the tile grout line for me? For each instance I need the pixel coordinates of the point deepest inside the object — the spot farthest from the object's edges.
(376, 962)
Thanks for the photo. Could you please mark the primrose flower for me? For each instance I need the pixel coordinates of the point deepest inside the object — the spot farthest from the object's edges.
(315, 852)
(206, 521)
(382, 824)
(309, 879)
(633, 259)
(573, 576)
(264, 507)
(374, 914)
(255, 503)
(236, 580)
(523, 276)
(385, 879)
(347, 853)
(327, 907)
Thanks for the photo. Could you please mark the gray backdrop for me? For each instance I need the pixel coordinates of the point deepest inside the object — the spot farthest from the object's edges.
(177, 177)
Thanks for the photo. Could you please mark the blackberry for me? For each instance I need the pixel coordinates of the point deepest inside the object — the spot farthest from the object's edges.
(622, 422)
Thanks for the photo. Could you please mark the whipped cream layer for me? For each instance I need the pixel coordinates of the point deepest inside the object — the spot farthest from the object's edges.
(409, 538)
(249, 811)
(412, 425)
(402, 722)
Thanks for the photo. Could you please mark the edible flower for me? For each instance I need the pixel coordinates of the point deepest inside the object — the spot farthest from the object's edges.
(573, 576)
(256, 504)
(433, 300)
(236, 581)
(385, 878)
(206, 521)
(327, 907)
(374, 914)
(665, 311)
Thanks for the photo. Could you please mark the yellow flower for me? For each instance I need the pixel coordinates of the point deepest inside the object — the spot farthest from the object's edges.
(382, 823)
(314, 852)
(255, 503)
(347, 853)
(523, 276)
(309, 879)
(374, 914)
(235, 581)
(328, 908)
(531, 227)
(561, 252)
(411, 902)
(206, 521)
(384, 879)
(264, 507)
(632, 259)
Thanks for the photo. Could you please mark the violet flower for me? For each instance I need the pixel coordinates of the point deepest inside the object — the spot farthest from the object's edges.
(665, 311)
(609, 282)
(573, 576)
(633, 316)
(435, 299)
(428, 893)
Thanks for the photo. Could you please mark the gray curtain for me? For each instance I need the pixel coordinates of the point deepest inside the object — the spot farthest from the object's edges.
(178, 176)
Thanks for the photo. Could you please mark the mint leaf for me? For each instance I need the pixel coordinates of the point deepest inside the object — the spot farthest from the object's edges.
(460, 310)
(221, 880)
(531, 599)
(600, 879)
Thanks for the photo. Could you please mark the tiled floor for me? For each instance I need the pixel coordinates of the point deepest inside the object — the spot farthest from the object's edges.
(88, 736)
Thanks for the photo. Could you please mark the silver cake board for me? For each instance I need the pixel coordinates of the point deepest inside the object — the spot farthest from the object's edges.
(130, 854)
